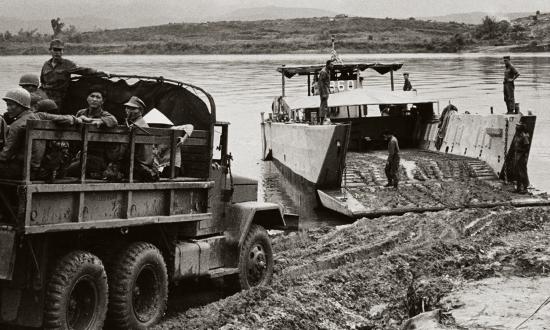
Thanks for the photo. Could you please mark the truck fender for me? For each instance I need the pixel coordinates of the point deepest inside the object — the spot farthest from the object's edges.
(243, 215)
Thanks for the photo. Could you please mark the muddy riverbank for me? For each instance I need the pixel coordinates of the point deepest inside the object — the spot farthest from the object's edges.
(377, 273)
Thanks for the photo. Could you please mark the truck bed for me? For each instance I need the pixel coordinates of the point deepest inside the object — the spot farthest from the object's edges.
(429, 181)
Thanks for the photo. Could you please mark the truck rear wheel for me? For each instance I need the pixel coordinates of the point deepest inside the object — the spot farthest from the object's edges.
(255, 259)
(76, 295)
(139, 283)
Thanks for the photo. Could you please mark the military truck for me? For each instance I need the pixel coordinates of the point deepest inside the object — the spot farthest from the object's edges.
(81, 253)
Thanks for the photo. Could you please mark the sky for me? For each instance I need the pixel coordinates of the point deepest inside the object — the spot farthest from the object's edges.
(199, 9)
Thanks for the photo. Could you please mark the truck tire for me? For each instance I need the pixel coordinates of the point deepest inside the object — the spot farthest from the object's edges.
(76, 294)
(139, 283)
(255, 259)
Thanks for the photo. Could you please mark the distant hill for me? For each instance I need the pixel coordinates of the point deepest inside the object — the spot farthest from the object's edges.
(475, 17)
(301, 35)
(108, 22)
(272, 12)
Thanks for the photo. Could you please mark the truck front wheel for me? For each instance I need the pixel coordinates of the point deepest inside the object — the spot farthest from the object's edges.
(255, 259)
(76, 295)
(139, 283)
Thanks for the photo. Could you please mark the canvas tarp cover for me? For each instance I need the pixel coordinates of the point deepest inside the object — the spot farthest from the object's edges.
(180, 105)
(358, 96)
(348, 68)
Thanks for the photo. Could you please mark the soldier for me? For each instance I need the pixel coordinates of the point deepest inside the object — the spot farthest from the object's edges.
(56, 73)
(97, 152)
(510, 75)
(407, 86)
(30, 82)
(392, 164)
(521, 145)
(57, 157)
(12, 155)
(324, 90)
(143, 157)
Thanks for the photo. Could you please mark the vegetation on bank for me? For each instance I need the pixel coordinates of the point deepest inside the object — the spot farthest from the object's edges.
(304, 35)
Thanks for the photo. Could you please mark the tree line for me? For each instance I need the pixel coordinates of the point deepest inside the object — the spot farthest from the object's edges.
(59, 30)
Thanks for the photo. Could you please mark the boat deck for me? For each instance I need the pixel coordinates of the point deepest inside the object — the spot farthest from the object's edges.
(430, 181)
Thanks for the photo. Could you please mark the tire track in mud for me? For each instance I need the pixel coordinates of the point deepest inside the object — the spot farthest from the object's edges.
(345, 287)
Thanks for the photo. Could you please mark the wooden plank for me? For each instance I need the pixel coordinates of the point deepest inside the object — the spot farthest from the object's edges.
(173, 150)
(171, 202)
(56, 135)
(117, 223)
(128, 212)
(28, 154)
(109, 137)
(122, 186)
(80, 211)
(132, 155)
(145, 139)
(84, 153)
(28, 207)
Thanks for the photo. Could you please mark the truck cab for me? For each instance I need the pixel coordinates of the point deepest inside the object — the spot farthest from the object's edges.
(82, 253)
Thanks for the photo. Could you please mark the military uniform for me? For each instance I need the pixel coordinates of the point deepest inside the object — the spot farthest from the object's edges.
(13, 152)
(407, 86)
(323, 85)
(392, 164)
(98, 152)
(55, 78)
(521, 145)
(510, 73)
(56, 157)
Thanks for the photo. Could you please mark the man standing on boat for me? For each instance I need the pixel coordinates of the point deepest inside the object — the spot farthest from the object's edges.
(324, 90)
(392, 164)
(510, 74)
(407, 86)
(56, 73)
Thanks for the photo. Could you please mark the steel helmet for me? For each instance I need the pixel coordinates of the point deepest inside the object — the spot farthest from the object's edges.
(19, 96)
(46, 105)
(29, 79)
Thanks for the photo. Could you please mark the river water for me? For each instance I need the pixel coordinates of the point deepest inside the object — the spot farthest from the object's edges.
(244, 85)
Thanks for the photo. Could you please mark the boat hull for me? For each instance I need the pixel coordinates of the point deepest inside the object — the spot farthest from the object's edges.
(317, 153)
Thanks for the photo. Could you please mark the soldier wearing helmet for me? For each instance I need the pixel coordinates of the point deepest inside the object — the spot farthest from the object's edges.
(57, 157)
(30, 82)
(12, 155)
(56, 73)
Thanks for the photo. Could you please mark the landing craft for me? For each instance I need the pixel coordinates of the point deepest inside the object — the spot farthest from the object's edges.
(448, 159)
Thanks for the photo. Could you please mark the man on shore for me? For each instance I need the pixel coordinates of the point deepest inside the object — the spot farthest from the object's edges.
(392, 164)
(56, 73)
(521, 143)
(30, 83)
(324, 90)
(12, 155)
(510, 75)
(407, 86)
